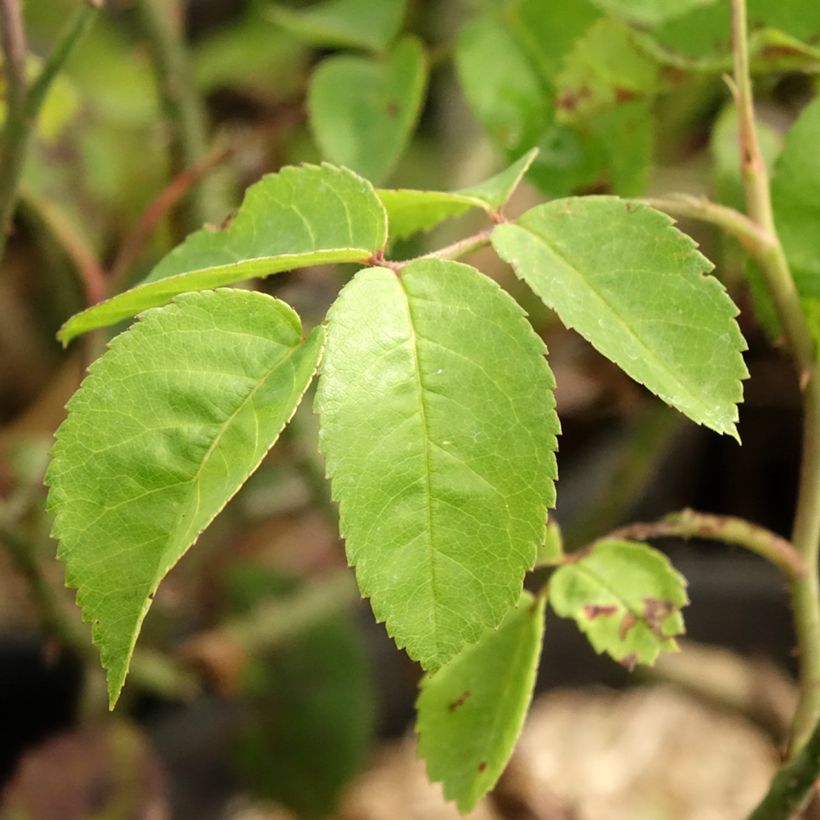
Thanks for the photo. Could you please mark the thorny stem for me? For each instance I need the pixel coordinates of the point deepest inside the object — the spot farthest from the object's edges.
(163, 21)
(691, 524)
(806, 531)
(23, 101)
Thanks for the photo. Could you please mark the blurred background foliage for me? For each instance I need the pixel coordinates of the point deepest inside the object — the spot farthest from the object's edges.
(263, 686)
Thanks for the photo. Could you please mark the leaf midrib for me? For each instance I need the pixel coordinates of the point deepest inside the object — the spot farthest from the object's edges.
(431, 549)
(658, 362)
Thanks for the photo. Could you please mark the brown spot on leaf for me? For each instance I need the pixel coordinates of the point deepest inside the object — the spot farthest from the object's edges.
(482, 767)
(570, 99)
(629, 620)
(460, 700)
(630, 661)
(392, 108)
(593, 611)
(655, 613)
(624, 95)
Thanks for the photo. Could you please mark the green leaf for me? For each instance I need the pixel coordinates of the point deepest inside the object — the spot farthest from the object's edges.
(625, 597)
(634, 287)
(438, 424)
(471, 711)
(651, 12)
(796, 199)
(603, 70)
(507, 94)
(344, 23)
(410, 211)
(363, 110)
(547, 30)
(286, 725)
(551, 552)
(309, 215)
(167, 426)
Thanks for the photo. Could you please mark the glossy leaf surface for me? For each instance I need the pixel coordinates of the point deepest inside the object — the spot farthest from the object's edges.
(438, 426)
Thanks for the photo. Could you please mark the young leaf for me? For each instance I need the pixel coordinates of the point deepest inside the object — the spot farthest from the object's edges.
(438, 424)
(167, 426)
(300, 216)
(634, 287)
(363, 110)
(471, 711)
(625, 597)
(344, 23)
(796, 199)
(410, 211)
(507, 95)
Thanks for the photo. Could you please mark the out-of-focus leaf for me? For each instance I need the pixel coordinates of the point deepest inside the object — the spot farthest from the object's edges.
(308, 719)
(165, 429)
(344, 23)
(471, 711)
(796, 199)
(438, 426)
(410, 211)
(363, 109)
(604, 69)
(651, 12)
(634, 287)
(300, 216)
(505, 91)
(626, 597)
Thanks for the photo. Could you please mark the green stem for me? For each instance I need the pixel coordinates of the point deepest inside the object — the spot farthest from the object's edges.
(792, 785)
(805, 593)
(462, 247)
(752, 238)
(184, 109)
(13, 146)
(24, 102)
(691, 524)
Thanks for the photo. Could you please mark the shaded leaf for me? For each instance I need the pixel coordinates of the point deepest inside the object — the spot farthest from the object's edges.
(310, 700)
(167, 426)
(626, 597)
(604, 69)
(309, 215)
(471, 711)
(438, 425)
(651, 12)
(507, 95)
(363, 110)
(634, 287)
(344, 23)
(410, 211)
(796, 199)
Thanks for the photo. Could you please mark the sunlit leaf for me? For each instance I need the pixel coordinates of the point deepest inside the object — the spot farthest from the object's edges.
(167, 426)
(438, 425)
(298, 217)
(471, 711)
(634, 287)
(410, 211)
